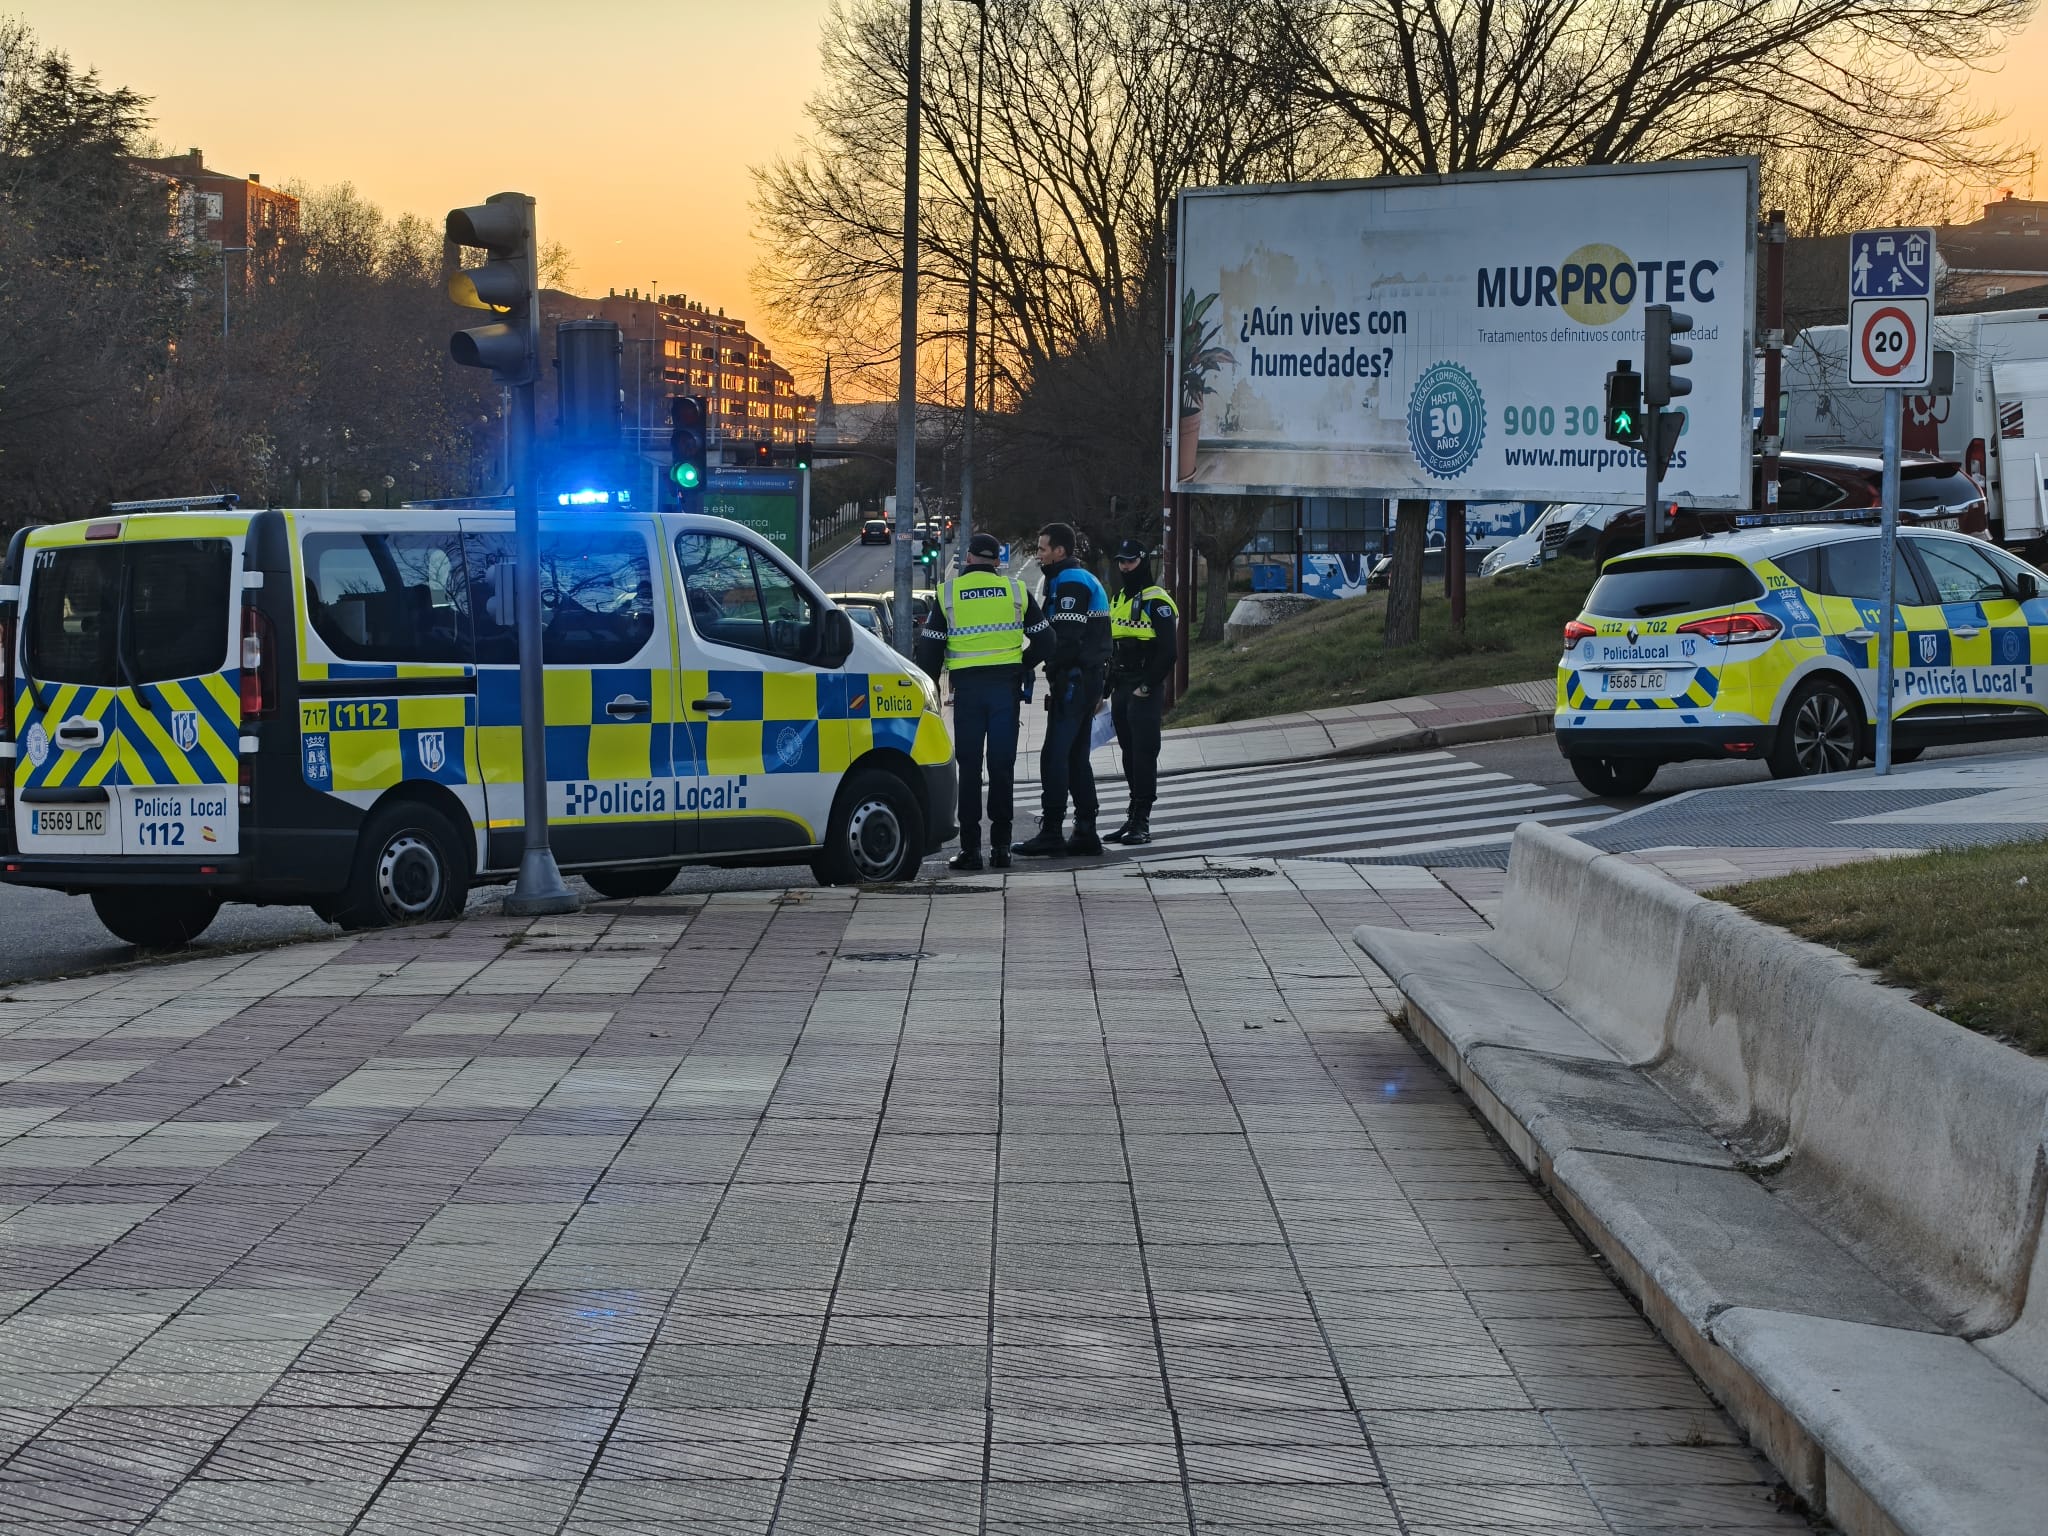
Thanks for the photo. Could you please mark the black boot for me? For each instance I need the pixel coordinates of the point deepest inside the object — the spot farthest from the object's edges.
(1139, 832)
(999, 847)
(1084, 844)
(1122, 831)
(966, 859)
(1048, 844)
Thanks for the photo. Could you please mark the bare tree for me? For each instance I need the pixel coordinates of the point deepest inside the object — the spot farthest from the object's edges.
(1432, 87)
(1096, 113)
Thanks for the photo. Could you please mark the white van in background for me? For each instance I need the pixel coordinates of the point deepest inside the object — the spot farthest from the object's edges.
(1995, 424)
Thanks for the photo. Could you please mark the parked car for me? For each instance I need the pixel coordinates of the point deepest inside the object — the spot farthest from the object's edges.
(1529, 547)
(1844, 487)
(871, 611)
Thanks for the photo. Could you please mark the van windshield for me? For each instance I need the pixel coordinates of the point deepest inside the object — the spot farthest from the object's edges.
(105, 615)
(1651, 588)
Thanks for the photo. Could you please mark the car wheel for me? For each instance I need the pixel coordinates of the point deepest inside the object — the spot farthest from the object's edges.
(625, 884)
(876, 833)
(159, 918)
(1820, 732)
(1614, 775)
(407, 870)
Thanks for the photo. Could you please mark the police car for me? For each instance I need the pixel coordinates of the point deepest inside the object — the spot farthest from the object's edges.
(200, 704)
(1762, 643)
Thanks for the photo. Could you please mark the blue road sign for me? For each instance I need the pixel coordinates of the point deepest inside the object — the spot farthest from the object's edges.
(1891, 264)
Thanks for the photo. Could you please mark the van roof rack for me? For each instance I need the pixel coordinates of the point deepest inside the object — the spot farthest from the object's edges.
(225, 502)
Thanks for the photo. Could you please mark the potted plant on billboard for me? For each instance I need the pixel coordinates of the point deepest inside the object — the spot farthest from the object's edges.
(1199, 357)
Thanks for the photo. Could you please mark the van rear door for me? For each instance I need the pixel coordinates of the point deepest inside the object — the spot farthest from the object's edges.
(130, 708)
(2020, 399)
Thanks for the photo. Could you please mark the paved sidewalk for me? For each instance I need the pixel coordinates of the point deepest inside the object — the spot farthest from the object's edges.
(1353, 730)
(1088, 1202)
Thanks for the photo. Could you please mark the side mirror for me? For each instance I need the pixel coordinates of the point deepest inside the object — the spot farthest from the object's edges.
(2029, 585)
(835, 638)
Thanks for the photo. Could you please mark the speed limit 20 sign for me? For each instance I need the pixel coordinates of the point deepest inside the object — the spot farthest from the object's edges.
(1891, 307)
(1888, 342)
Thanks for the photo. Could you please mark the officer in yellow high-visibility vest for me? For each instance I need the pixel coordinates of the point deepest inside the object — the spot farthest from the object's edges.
(1143, 633)
(988, 633)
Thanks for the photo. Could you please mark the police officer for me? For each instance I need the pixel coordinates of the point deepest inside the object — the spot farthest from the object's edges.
(1079, 611)
(988, 633)
(1143, 625)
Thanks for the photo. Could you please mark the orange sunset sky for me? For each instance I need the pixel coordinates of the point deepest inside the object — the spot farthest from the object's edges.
(645, 114)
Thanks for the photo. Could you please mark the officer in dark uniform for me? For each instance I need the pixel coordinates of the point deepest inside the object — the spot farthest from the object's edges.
(1079, 610)
(988, 632)
(1143, 629)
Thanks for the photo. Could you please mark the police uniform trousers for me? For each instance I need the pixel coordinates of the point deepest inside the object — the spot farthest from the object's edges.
(985, 722)
(1137, 738)
(1063, 766)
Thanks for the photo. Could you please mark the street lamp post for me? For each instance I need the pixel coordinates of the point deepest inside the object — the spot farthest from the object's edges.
(225, 252)
(973, 286)
(906, 371)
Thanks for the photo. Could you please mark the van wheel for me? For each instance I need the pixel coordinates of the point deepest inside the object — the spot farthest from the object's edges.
(625, 884)
(1820, 732)
(1614, 775)
(156, 919)
(407, 870)
(876, 833)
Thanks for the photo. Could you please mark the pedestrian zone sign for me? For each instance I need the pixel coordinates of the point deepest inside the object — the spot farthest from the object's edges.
(1891, 308)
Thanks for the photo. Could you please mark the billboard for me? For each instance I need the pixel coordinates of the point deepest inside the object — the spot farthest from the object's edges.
(1451, 337)
(764, 500)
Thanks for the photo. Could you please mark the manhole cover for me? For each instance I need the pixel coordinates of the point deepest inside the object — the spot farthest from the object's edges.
(881, 956)
(1211, 872)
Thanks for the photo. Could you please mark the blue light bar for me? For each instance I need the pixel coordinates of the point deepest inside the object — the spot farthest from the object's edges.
(594, 499)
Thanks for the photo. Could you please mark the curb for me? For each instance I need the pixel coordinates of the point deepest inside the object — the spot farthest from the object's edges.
(1421, 739)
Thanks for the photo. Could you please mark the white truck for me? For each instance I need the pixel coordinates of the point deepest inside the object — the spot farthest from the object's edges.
(1994, 424)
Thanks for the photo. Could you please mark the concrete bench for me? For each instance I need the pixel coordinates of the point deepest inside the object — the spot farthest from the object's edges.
(1828, 1199)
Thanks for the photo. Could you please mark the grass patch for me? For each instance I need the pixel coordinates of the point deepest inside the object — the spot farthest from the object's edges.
(1514, 631)
(1964, 929)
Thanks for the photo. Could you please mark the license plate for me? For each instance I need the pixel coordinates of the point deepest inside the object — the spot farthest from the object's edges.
(1635, 682)
(71, 821)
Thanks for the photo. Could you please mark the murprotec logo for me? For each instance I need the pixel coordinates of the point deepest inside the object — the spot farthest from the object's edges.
(1598, 284)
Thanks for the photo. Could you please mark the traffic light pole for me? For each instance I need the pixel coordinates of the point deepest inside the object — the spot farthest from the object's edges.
(539, 891)
(1653, 428)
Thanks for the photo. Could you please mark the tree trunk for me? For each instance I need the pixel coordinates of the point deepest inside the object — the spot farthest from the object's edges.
(1216, 604)
(1404, 577)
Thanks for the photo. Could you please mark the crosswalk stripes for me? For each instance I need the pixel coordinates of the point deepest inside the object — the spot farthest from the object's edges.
(1338, 808)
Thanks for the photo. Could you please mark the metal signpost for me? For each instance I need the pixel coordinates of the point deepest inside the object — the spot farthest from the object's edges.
(1891, 347)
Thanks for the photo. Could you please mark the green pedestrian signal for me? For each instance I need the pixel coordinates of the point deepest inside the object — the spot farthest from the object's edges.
(1624, 420)
(687, 442)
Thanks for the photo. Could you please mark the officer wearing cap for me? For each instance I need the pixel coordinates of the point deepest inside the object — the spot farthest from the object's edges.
(1143, 630)
(987, 631)
(1079, 611)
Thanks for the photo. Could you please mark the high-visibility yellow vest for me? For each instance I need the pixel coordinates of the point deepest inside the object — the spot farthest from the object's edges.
(984, 620)
(1132, 620)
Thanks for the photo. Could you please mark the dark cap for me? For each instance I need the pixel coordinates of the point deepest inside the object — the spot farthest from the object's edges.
(1130, 549)
(984, 546)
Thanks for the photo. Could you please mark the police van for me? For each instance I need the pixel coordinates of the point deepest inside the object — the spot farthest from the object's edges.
(1763, 643)
(200, 704)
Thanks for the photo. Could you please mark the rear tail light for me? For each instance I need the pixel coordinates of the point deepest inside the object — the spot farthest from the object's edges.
(1976, 466)
(1735, 628)
(1576, 630)
(259, 665)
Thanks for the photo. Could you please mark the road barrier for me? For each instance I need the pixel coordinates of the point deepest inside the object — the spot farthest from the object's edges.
(1827, 1197)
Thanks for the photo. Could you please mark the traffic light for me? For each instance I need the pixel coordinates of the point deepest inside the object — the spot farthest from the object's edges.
(802, 456)
(686, 443)
(763, 455)
(1624, 405)
(1661, 354)
(507, 284)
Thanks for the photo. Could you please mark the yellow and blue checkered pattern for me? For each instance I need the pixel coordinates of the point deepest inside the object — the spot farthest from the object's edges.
(161, 734)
